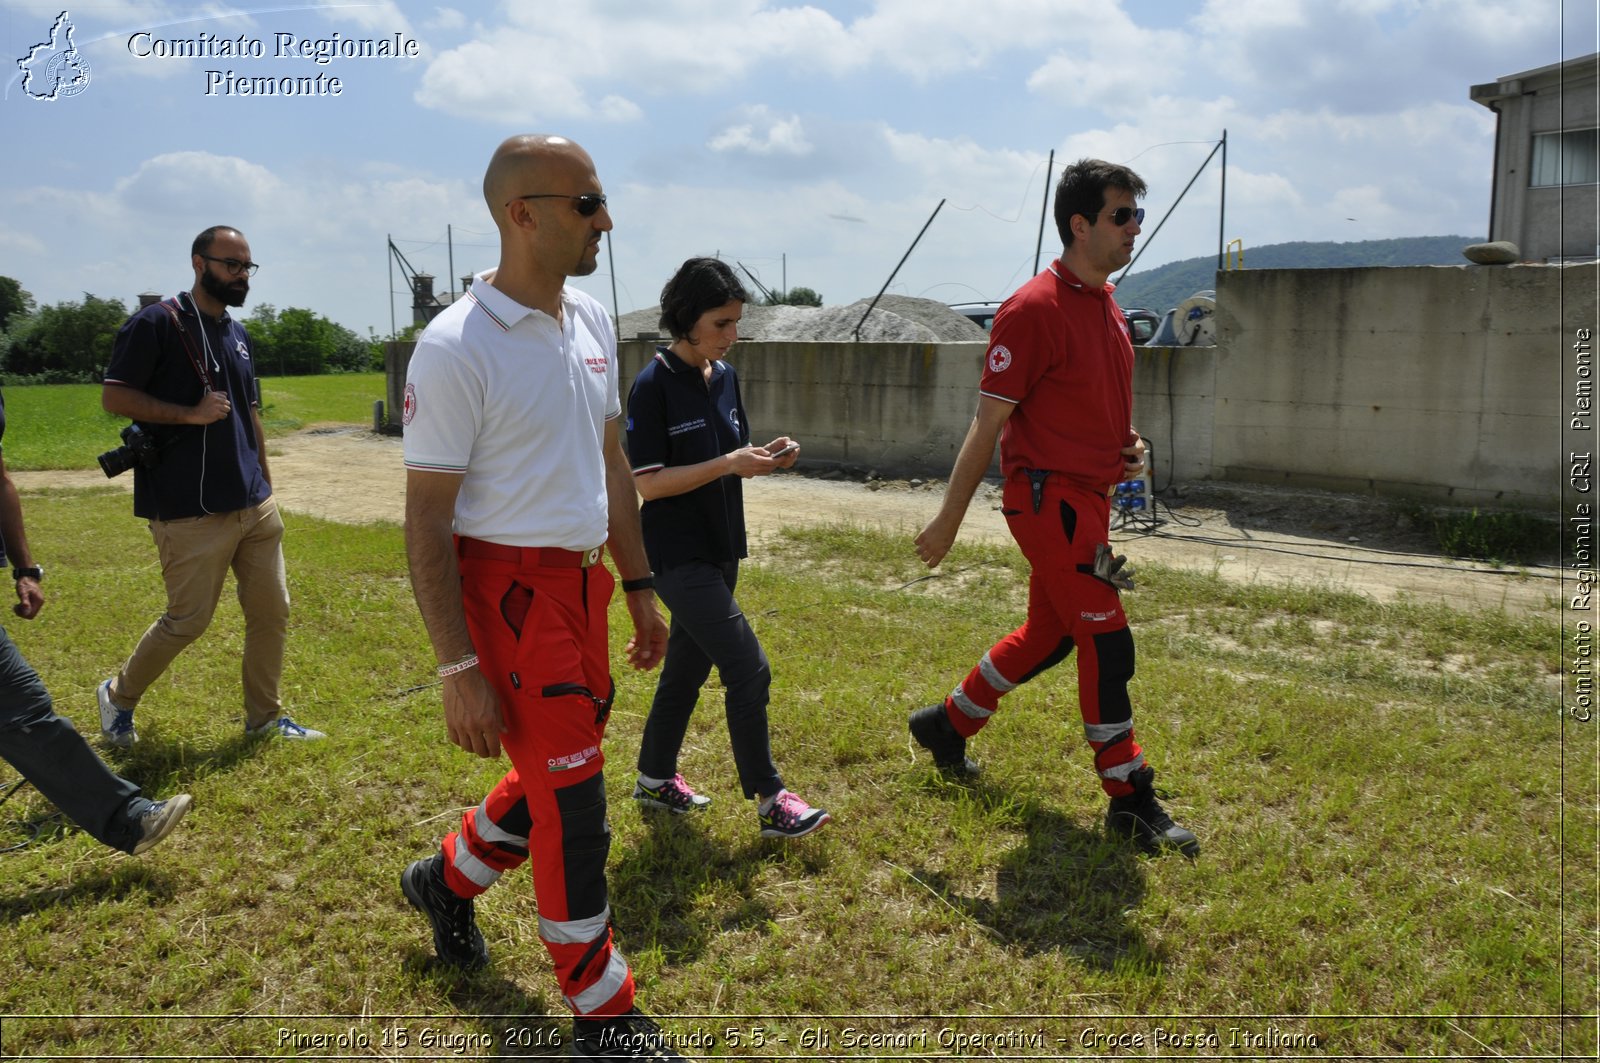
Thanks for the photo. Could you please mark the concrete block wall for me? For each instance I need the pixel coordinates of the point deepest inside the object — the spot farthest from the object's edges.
(900, 409)
(1440, 383)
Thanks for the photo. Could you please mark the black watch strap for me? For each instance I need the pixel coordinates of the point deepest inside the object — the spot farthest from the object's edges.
(33, 572)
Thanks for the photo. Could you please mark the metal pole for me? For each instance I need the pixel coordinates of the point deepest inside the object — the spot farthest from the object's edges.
(762, 288)
(1039, 244)
(450, 243)
(1222, 209)
(616, 311)
(390, 256)
(1169, 213)
(902, 262)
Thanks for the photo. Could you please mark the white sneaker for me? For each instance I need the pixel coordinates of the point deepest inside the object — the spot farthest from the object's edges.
(116, 723)
(283, 727)
(160, 820)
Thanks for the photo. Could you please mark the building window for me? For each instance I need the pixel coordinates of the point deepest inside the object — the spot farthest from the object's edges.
(1568, 158)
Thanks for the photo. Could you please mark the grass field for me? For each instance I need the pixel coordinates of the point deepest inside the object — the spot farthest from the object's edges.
(1398, 829)
(65, 428)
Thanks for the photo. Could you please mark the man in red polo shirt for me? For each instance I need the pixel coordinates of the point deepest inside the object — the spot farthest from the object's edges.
(1057, 393)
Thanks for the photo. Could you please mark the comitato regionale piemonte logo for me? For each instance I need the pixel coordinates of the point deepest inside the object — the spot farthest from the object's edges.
(55, 69)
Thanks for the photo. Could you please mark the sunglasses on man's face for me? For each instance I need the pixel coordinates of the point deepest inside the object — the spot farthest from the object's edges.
(1121, 216)
(588, 204)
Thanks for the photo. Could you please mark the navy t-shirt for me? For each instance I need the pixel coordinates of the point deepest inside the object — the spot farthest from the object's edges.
(677, 417)
(214, 468)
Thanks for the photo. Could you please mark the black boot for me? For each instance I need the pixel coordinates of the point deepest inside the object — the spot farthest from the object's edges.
(932, 729)
(631, 1035)
(1140, 816)
(456, 938)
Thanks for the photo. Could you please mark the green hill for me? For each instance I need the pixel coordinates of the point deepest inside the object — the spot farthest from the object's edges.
(1166, 286)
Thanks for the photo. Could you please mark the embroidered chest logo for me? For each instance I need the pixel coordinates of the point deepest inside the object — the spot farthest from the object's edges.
(686, 426)
(244, 352)
(733, 419)
(999, 359)
(596, 365)
(410, 408)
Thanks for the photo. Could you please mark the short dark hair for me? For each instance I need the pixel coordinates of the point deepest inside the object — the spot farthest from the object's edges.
(202, 243)
(700, 284)
(1082, 190)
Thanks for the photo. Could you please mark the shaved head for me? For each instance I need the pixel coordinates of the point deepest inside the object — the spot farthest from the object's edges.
(520, 163)
(549, 206)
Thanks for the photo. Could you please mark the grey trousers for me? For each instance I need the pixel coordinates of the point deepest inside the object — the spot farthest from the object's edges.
(50, 753)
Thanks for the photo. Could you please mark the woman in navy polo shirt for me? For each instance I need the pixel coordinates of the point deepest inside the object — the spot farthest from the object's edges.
(689, 446)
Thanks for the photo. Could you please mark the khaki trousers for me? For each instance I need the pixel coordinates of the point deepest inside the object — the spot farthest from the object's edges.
(196, 555)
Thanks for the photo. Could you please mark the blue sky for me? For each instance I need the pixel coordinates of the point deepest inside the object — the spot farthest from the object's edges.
(817, 135)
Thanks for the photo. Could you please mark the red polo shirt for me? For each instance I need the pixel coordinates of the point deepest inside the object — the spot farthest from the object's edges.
(1060, 351)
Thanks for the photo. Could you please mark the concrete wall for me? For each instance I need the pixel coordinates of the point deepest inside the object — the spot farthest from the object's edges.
(1433, 382)
(900, 409)
(1440, 383)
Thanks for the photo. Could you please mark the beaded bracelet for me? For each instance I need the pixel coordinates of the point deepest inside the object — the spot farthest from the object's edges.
(460, 664)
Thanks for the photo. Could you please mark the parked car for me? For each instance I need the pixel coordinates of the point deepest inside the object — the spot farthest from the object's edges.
(1142, 323)
(980, 314)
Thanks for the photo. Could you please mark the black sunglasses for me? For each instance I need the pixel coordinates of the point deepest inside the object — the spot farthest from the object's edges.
(1120, 216)
(588, 204)
(234, 266)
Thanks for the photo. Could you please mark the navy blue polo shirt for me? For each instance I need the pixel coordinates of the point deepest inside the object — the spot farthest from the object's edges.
(677, 417)
(214, 468)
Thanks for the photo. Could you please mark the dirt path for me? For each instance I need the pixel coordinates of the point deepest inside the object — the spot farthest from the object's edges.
(355, 476)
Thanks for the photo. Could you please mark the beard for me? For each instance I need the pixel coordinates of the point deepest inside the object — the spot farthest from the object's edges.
(588, 262)
(228, 293)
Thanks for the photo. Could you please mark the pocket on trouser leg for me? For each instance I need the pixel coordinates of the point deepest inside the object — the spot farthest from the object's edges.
(585, 845)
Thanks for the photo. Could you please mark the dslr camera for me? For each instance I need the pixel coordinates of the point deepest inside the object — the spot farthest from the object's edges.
(138, 448)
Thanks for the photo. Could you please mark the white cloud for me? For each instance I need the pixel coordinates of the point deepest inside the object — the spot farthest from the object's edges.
(933, 38)
(763, 133)
(1110, 81)
(498, 83)
(614, 108)
(376, 16)
(446, 18)
(551, 67)
(197, 182)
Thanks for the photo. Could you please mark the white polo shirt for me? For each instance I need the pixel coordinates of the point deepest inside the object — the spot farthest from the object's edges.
(501, 393)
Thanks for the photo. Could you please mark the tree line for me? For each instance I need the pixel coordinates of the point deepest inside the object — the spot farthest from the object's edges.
(71, 342)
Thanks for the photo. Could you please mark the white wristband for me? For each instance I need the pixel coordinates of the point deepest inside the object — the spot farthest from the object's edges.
(459, 665)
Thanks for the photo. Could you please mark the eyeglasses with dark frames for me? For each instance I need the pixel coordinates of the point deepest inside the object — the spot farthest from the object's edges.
(588, 204)
(1121, 216)
(234, 266)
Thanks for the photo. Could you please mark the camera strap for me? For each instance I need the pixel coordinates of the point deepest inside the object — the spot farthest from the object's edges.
(174, 311)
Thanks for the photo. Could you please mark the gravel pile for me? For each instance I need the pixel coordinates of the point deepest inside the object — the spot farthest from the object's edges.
(896, 318)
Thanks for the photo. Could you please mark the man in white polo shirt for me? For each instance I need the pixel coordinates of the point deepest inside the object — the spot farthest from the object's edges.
(515, 480)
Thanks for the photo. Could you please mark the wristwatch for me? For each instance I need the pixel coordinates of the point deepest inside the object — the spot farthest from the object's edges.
(33, 572)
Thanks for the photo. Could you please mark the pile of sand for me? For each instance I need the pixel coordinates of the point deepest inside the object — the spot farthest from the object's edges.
(896, 318)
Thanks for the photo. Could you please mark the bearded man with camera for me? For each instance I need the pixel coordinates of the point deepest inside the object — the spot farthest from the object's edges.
(181, 370)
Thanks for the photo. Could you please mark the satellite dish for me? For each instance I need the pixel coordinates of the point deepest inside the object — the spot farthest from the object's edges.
(1194, 320)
